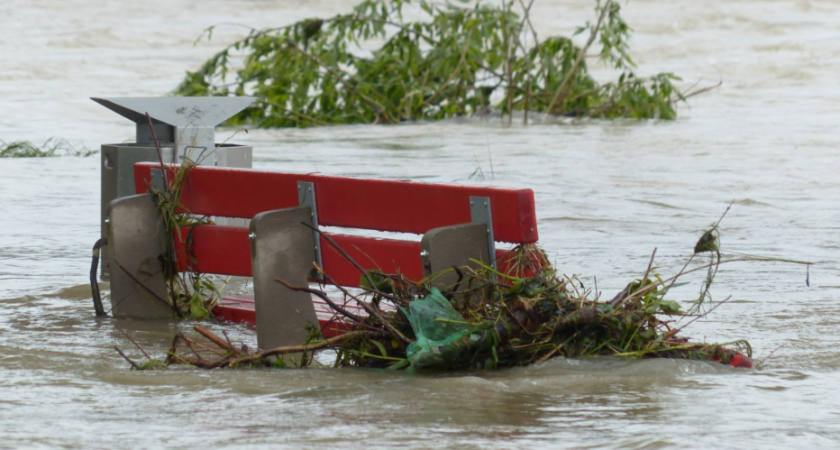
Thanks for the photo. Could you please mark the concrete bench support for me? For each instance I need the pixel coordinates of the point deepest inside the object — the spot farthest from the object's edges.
(454, 245)
(282, 248)
(137, 242)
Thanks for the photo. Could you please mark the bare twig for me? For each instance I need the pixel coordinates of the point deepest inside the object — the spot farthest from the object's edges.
(724, 213)
(548, 355)
(460, 278)
(365, 305)
(135, 344)
(678, 275)
(171, 353)
(701, 90)
(566, 85)
(526, 18)
(205, 347)
(768, 356)
(230, 362)
(157, 147)
(624, 294)
(343, 252)
(340, 287)
(619, 298)
(189, 343)
(677, 330)
(213, 338)
(227, 338)
(323, 297)
(309, 347)
(641, 292)
(133, 364)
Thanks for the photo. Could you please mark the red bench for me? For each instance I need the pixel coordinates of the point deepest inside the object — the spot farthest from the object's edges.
(508, 216)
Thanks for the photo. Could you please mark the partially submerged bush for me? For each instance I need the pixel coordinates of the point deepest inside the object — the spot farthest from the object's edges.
(52, 147)
(456, 60)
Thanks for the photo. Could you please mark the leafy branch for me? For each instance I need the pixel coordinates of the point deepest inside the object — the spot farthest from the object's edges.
(458, 59)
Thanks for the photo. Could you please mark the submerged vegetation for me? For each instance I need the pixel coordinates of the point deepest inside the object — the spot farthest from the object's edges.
(455, 59)
(52, 147)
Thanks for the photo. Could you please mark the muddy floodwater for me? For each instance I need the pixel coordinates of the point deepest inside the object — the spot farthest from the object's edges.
(607, 194)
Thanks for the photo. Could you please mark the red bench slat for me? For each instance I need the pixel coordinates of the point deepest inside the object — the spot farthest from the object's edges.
(240, 309)
(388, 255)
(217, 249)
(224, 250)
(384, 205)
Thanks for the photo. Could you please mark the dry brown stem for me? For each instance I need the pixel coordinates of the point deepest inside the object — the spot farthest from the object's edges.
(213, 338)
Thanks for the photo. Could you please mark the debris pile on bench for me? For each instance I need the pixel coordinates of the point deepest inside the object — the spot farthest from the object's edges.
(490, 320)
(487, 320)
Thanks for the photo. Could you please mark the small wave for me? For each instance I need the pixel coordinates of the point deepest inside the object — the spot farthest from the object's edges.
(749, 202)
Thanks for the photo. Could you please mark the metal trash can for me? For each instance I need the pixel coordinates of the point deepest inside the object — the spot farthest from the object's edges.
(184, 128)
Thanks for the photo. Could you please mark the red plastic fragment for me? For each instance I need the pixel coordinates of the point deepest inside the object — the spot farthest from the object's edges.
(742, 361)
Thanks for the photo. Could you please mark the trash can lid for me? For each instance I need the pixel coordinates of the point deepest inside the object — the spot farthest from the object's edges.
(178, 112)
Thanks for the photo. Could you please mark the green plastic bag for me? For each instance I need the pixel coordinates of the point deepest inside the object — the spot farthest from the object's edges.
(439, 343)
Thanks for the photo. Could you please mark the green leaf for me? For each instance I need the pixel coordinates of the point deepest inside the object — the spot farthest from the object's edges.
(153, 364)
(380, 283)
(380, 347)
(197, 308)
(669, 306)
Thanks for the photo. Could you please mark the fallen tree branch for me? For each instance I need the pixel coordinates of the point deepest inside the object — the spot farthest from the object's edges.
(213, 338)
(232, 362)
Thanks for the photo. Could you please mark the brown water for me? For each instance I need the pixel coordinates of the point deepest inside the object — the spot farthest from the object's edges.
(607, 195)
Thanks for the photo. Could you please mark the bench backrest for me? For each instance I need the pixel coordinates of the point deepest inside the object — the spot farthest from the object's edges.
(371, 204)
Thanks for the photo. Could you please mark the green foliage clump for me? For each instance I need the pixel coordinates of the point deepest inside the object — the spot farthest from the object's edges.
(191, 294)
(458, 59)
